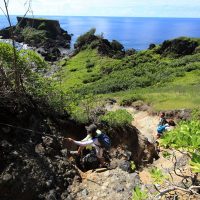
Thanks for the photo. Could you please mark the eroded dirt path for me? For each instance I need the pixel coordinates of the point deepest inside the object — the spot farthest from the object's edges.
(143, 121)
(116, 183)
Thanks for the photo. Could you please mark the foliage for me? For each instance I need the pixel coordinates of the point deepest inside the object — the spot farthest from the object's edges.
(186, 136)
(133, 166)
(33, 36)
(32, 69)
(166, 154)
(195, 162)
(83, 109)
(117, 118)
(142, 69)
(117, 46)
(127, 100)
(139, 194)
(83, 40)
(157, 175)
(89, 64)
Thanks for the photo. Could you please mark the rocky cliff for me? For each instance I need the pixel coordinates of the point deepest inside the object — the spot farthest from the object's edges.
(45, 35)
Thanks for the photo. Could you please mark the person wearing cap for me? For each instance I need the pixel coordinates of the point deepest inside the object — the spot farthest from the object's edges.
(91, 139)
(89, 129)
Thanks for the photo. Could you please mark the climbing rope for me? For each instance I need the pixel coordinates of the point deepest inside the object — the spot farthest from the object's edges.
(30, 130)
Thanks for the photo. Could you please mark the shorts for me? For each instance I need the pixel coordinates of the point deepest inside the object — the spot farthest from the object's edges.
(161, 129)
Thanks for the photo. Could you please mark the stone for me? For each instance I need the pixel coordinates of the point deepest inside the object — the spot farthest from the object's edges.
(7, 177)
(85, 192)
(125, 166)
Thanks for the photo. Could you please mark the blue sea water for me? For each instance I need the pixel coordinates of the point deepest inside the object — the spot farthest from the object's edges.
(132, 32)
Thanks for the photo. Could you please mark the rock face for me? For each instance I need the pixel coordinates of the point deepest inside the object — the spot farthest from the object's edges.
(45, 35)
(31, 163)
(178, 47)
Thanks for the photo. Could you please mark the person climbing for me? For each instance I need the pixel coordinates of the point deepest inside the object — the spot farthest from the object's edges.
(88, 137)
(163, 123)
(92, 139)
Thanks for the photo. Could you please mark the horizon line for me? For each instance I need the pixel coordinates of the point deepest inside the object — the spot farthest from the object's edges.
(104, 16)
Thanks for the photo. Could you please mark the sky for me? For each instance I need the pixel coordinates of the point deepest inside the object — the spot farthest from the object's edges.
(122, 8)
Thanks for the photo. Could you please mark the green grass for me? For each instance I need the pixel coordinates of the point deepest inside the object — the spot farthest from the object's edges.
(164, 83)
(75, 71)
(183, 92)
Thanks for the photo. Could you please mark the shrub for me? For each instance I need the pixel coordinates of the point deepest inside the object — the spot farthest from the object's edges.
(116, 46)
(139, 194)
(91, 79)
(186, 136)
(117, 118)
(157, 175)
(31, 68)
(33, 36)
(129, 99)
(85, 39)
(89, 64)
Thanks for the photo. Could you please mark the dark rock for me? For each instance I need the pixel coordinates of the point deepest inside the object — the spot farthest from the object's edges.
(45, 35)
(7, 177)
(51, 195)
(119, 188)
(64, 195)
(27, 169)
(125, 165)
(178, 47)
(151, 46)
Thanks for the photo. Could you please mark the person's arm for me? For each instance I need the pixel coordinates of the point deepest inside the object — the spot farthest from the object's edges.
(88, 137)
(83, 143)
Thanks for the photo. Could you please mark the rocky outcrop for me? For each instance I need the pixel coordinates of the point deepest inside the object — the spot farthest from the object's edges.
(104, 47)
(45, 35)
(32, 165)
(178, 47)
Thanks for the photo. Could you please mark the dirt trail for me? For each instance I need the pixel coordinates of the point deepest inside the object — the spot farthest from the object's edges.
(118, 184)
(115, 183)
(143, 121)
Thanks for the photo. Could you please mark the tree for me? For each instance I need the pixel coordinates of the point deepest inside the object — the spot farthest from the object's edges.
(17, 80)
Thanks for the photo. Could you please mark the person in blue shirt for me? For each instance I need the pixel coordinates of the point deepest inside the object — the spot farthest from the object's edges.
(163, 123)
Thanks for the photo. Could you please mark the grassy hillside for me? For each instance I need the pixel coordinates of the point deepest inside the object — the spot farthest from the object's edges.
(167, 81)
(181, 93)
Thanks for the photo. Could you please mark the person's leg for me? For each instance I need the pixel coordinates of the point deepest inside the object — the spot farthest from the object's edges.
(80, 150)
(99, 154)
(77, 152)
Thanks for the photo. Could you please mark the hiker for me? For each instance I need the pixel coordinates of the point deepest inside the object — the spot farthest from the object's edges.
(93, 132)
(163, 123)
(88, 137)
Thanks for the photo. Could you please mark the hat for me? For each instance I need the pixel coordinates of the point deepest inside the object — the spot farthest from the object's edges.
(91, 128)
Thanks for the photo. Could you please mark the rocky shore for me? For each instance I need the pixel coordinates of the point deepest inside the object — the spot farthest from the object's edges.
(46, 36)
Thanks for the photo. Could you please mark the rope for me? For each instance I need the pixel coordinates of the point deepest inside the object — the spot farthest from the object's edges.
(26, 129)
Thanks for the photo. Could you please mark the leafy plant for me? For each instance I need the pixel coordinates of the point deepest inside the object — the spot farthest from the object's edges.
(117, 118)
(195, 163)
(133, 166)
(139, 194)
(166, 154)
(186, 136)
(157, 175)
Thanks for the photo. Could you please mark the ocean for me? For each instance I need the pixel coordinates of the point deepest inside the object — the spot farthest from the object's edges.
(132, 32)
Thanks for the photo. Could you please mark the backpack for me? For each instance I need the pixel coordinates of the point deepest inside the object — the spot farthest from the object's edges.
(104, 140)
